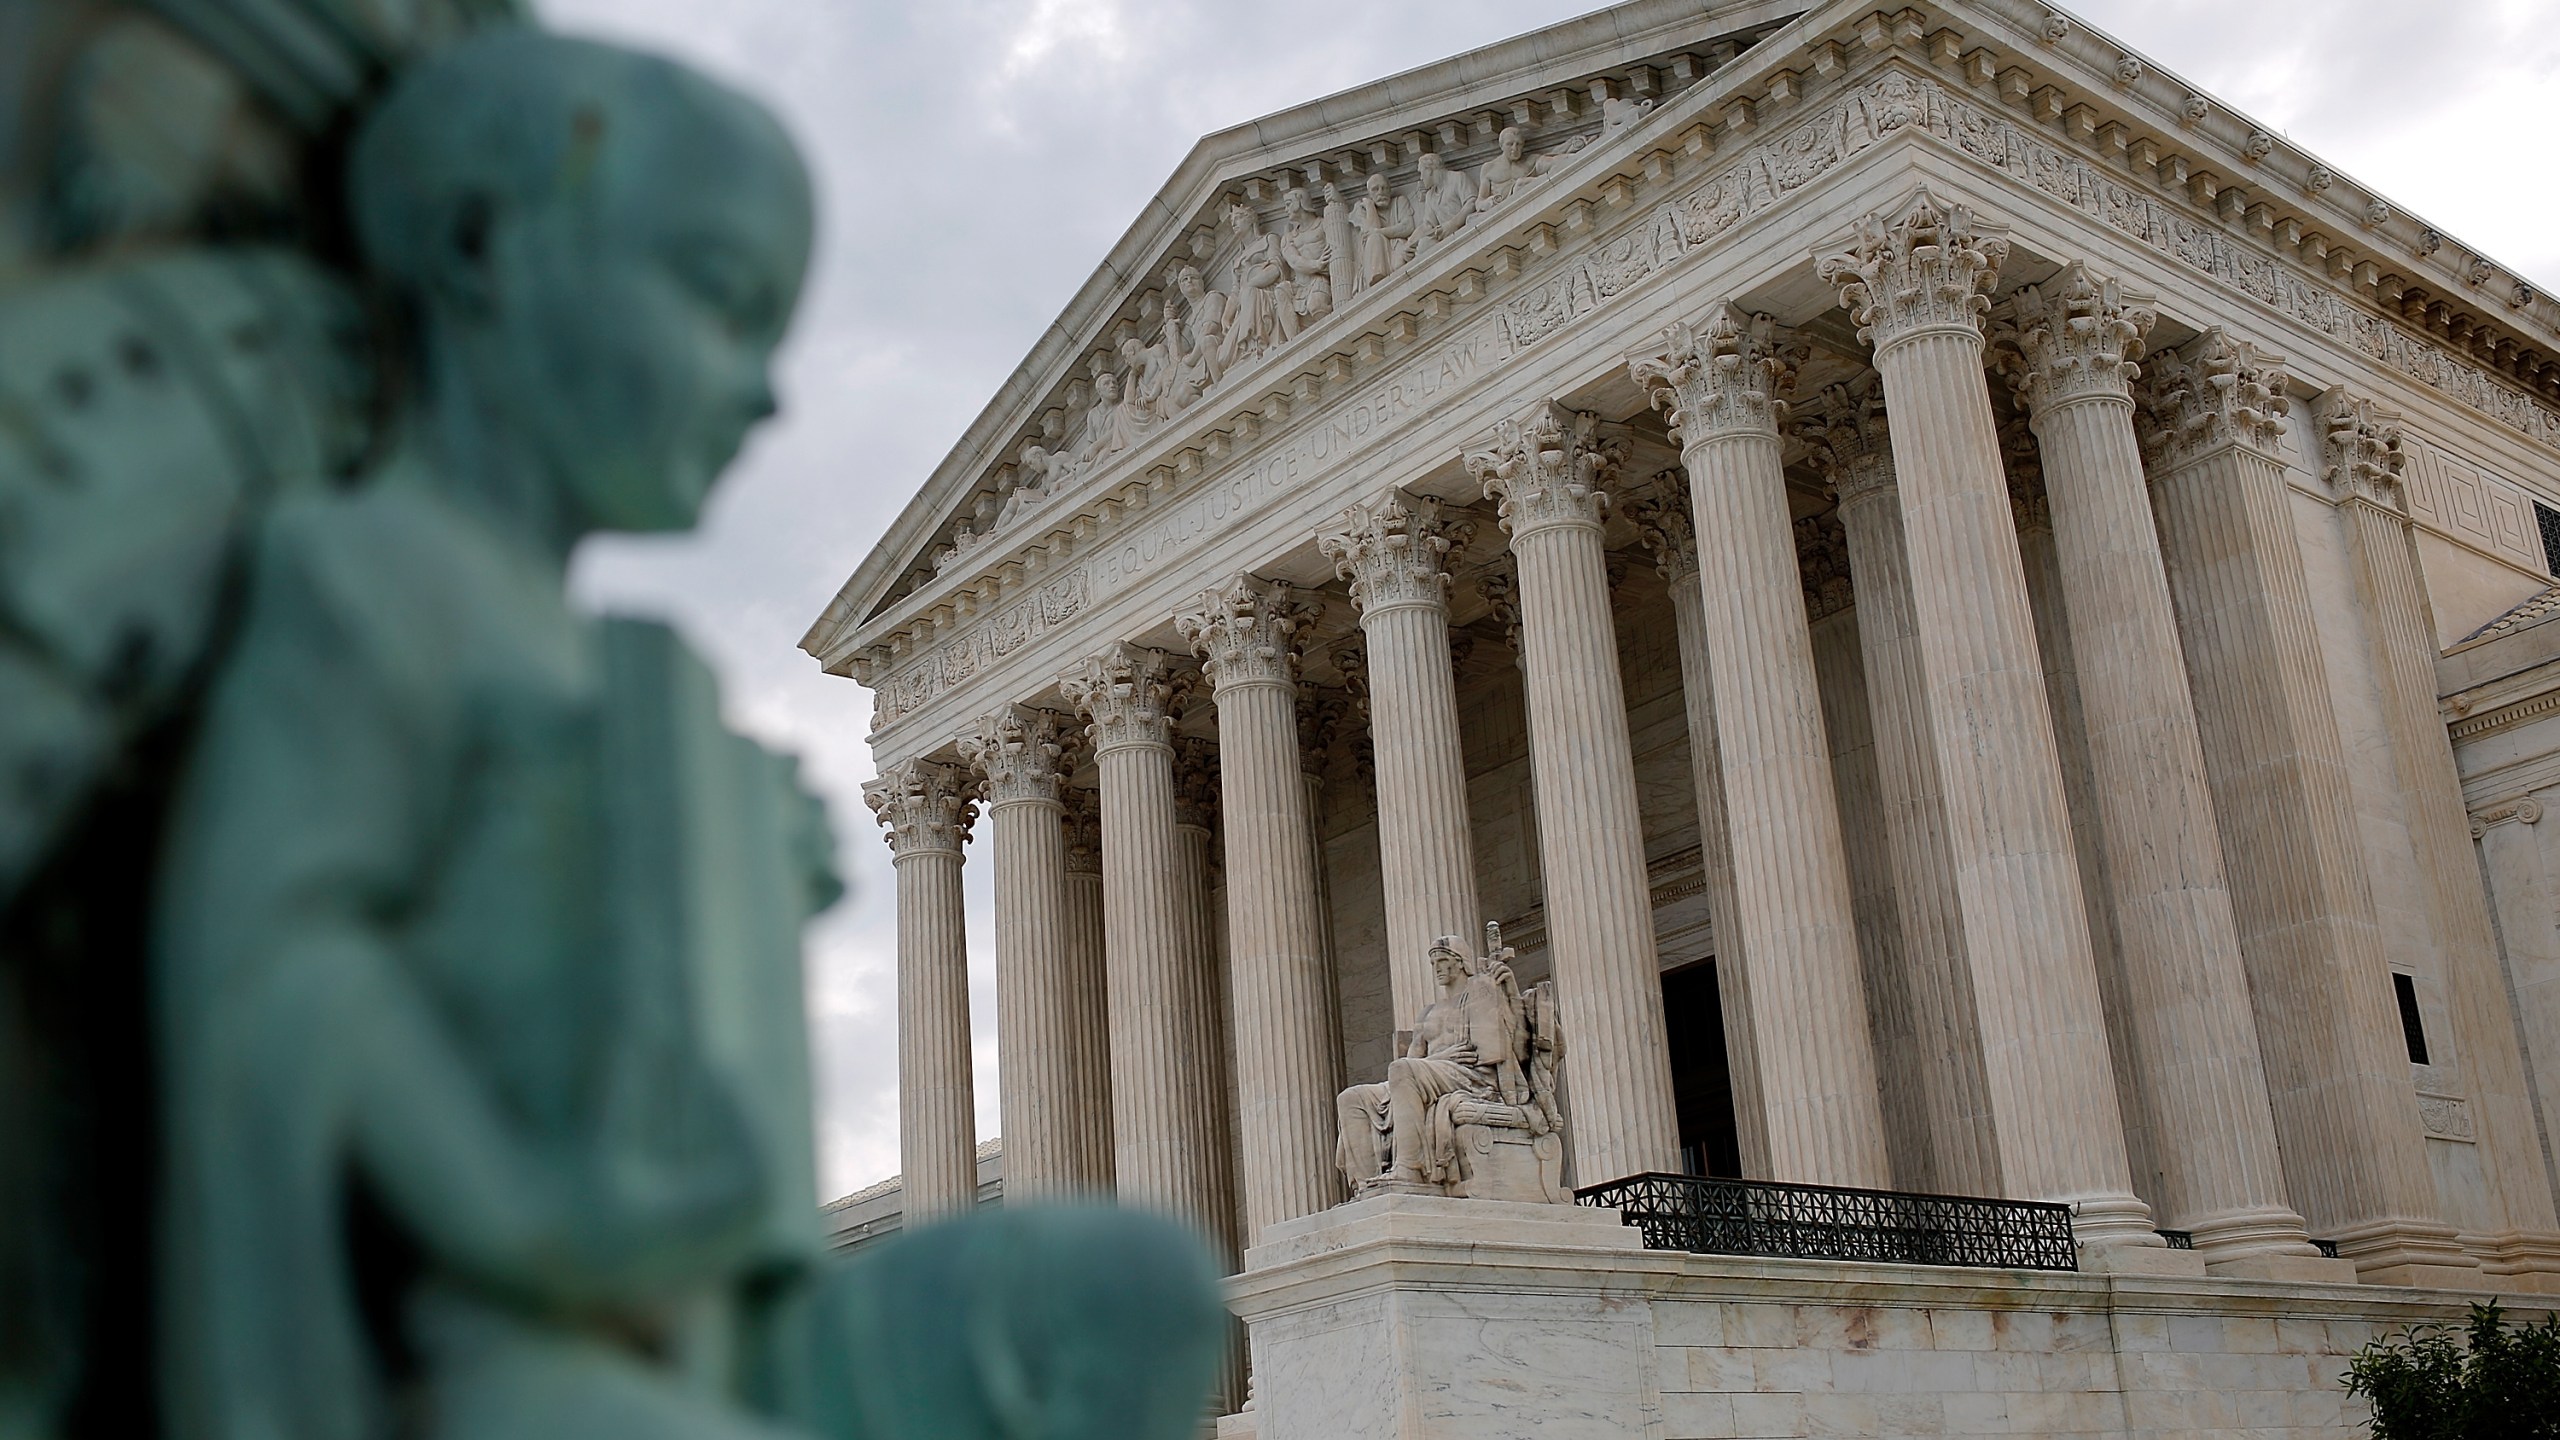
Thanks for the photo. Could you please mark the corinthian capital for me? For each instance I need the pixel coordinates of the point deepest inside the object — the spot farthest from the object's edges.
(1247, 631)
(925, 805)
(1023, 753)
(1128, 695)
(1847, 440)
(1195, 782)
(2074, 337)
(1822, 562)
(1660, 510)
(1547, 468)
(1082, 823)
(1931, 268)
(2361, 454)
(1395, 551)
(2209, 393)
(1730, 378)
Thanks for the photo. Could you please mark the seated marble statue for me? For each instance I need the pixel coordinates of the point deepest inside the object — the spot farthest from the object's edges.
(477, 982)
(1469, 1108)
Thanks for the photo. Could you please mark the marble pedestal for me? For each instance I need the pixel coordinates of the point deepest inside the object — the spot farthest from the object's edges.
(1425, 1318)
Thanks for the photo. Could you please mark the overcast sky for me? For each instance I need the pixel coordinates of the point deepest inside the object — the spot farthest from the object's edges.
(976, 159)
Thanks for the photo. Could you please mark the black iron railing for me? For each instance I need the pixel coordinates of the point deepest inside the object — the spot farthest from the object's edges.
(1822, 1222)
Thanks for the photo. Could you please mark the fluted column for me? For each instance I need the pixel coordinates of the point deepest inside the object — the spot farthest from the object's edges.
(2354, 1153)
(1394, 552)
(1020, 754)
(1163, 1108)
(1287, 1043)
(1915, 286)
(1721, 387)
(1662, 515)
(1850, 443)
(2195, 1051)
(1547, 475)
(2362, 461)
(1087, 986)
(1211, 1052)
(926, 807)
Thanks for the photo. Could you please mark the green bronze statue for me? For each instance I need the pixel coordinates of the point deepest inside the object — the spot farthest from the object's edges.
(463, 938)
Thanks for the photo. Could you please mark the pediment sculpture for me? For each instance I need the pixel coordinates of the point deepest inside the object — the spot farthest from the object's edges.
(1468, 1108)
(1246, 288)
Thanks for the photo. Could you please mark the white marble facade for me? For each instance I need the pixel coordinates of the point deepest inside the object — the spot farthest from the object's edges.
(1917, 509)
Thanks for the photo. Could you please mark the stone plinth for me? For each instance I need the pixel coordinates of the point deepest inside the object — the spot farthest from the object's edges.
(1421, 1318)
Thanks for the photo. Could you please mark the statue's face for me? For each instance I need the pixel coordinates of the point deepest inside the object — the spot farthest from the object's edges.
(1430, 168)
(1107, 386)
(634, 322)
(1447, 968)
(1512, 145)
(1378, 187)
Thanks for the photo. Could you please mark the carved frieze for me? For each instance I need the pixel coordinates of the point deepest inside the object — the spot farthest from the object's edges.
(924, 805)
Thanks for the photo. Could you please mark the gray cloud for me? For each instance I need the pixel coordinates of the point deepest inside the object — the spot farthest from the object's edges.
(978, 158)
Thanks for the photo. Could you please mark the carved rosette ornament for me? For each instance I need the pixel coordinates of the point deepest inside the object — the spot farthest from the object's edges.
(1931, 270)
(1128, 695)
(1730, 378)
(1847, 440)
(2073, 338)
(1547, 468)
(2361, 454)
(1248, 632)
(925, 805)
(1395, 551)
(1659, 509)
(1022, 753)
(2211, 392)
(1822, 559)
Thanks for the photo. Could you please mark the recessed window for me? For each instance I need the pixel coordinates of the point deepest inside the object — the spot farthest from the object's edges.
(2412, 1028)
(2549, 520)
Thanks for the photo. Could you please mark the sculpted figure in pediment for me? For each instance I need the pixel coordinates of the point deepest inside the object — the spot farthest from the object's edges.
(1617, 114)
(1102, 436)
(1442, 204)
(1305, 250)
(1384, 224)
(1201, 333)
(1148, 391)
(1265, 298)
(1513, 170)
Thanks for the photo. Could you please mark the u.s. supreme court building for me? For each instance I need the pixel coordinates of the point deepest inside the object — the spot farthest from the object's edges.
(1975, 617)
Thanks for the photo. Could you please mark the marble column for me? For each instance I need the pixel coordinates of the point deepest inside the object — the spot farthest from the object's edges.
(1088, 990)
(1662, 515)
(1020, 754)
(1163, 1107)
(2346, 1117)
(926, 807)
(1720, 387)
(1914, 282)
(1288, 1044)
(2362, 459)
(1851, 445)
(1547, 474)
(1395, 551)
(2195, 1051)
(1211, 1053)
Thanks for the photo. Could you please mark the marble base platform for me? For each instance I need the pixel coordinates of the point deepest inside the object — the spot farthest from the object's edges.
(1406, 1317)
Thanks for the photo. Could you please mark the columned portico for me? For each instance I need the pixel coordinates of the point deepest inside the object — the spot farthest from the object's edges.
(1021, 753)
(1395, 552)
(1720, 386)
(1547, 474)
(1287, 1044)
(1163, 1110)
(1915, 283)
(926, 807)
(2195, 1052)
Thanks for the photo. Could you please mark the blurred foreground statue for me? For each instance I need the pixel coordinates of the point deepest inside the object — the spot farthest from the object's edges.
(400, 1027)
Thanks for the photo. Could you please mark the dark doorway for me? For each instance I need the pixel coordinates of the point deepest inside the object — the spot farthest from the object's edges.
(1701, 1081)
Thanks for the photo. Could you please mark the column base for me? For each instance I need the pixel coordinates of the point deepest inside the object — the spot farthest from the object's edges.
(2523, 1260)
(2268, 1244)
(2411, 1253)
(1243, 1425)
(2313, 1268)
(2127, 1257)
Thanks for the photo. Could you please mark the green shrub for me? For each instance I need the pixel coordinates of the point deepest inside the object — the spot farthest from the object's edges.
(2426, 1386)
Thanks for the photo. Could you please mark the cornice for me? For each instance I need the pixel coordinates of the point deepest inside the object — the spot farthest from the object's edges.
(1705, 161)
